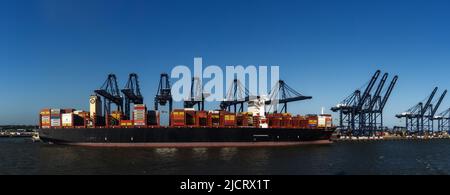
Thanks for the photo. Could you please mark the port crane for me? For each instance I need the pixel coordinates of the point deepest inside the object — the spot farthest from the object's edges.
(111, 94)
(237, 95)
(164, 94)
(281, 93)
(443, 120)
(132, 93)
(419, 118)
(381, 104)
(350, 109)
(361, 113)
(431, 113)
(373, 113)
(197, 96)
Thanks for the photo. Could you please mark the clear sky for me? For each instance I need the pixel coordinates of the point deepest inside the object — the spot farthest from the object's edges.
(54, 53)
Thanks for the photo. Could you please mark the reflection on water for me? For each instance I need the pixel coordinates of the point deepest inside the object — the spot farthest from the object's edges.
(20, 156)
(166, 152)
(228, 153)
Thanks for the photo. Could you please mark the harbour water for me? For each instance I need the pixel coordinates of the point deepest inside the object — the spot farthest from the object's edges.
(405, 157)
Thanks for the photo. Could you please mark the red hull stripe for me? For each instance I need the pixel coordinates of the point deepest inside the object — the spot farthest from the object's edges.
(201, 144)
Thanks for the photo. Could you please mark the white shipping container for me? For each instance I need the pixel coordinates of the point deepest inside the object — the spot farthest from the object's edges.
(322, 121)
(55, 122)
(78, 111)
(67, 119)
(325, 121)
(45, 119)
(55, 111)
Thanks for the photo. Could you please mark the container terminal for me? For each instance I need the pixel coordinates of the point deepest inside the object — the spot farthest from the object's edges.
(361, 114)
(229, 125)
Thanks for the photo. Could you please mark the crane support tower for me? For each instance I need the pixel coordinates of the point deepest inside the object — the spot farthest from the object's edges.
(164, 94)
(132, 93)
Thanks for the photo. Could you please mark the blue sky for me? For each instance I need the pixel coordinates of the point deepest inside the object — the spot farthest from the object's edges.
(54, 53)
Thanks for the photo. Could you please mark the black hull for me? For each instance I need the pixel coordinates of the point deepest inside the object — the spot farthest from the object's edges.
(185, 137)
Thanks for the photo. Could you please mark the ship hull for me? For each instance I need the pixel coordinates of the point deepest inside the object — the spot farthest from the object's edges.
(185, 137)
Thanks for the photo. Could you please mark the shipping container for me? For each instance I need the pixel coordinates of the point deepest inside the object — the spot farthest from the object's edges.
(178, 118)
(229, 119)
(55, 122)
(78, 111)
(45, 119)
(325, 121)
(126, 123)
(68, 110)
(202, 118)
(190, 117)
(214, 118)
(55, 111)
(67, 120)
(274, 120)
(244, 119)
(45, 111)
(153, 118)
(140, 107)
(312, 121)
(140, 115)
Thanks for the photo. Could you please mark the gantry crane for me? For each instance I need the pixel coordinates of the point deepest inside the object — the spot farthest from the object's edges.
(351, 118)
(132, 93)
(111, 94)
(443, 120)
(236, 96)
(419, 118)
(430, 113)
(361, 113)
(164, 94)
(197, 96)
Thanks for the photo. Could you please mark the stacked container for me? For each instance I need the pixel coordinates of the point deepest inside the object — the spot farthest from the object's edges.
(244, 119)
(177, 118)
(325, 121)
(116, 117)
(286, 120)
(214, 118)
(190, 118)
(153, 118)
(229, 119)
(55, 118)
(274, 120)
(67, 120)
(81, 118)
(140, 115)
(45, 118)
(126, 123)
(202, 118)
(312, 121)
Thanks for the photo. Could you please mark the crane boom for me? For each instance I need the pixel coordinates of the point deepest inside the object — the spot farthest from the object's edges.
(388, 92)
(366, 93)
(110, 91)
(424, 109)
(376, 96)
(436, 107)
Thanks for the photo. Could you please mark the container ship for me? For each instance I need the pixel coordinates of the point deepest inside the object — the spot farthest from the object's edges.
(140, 127)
